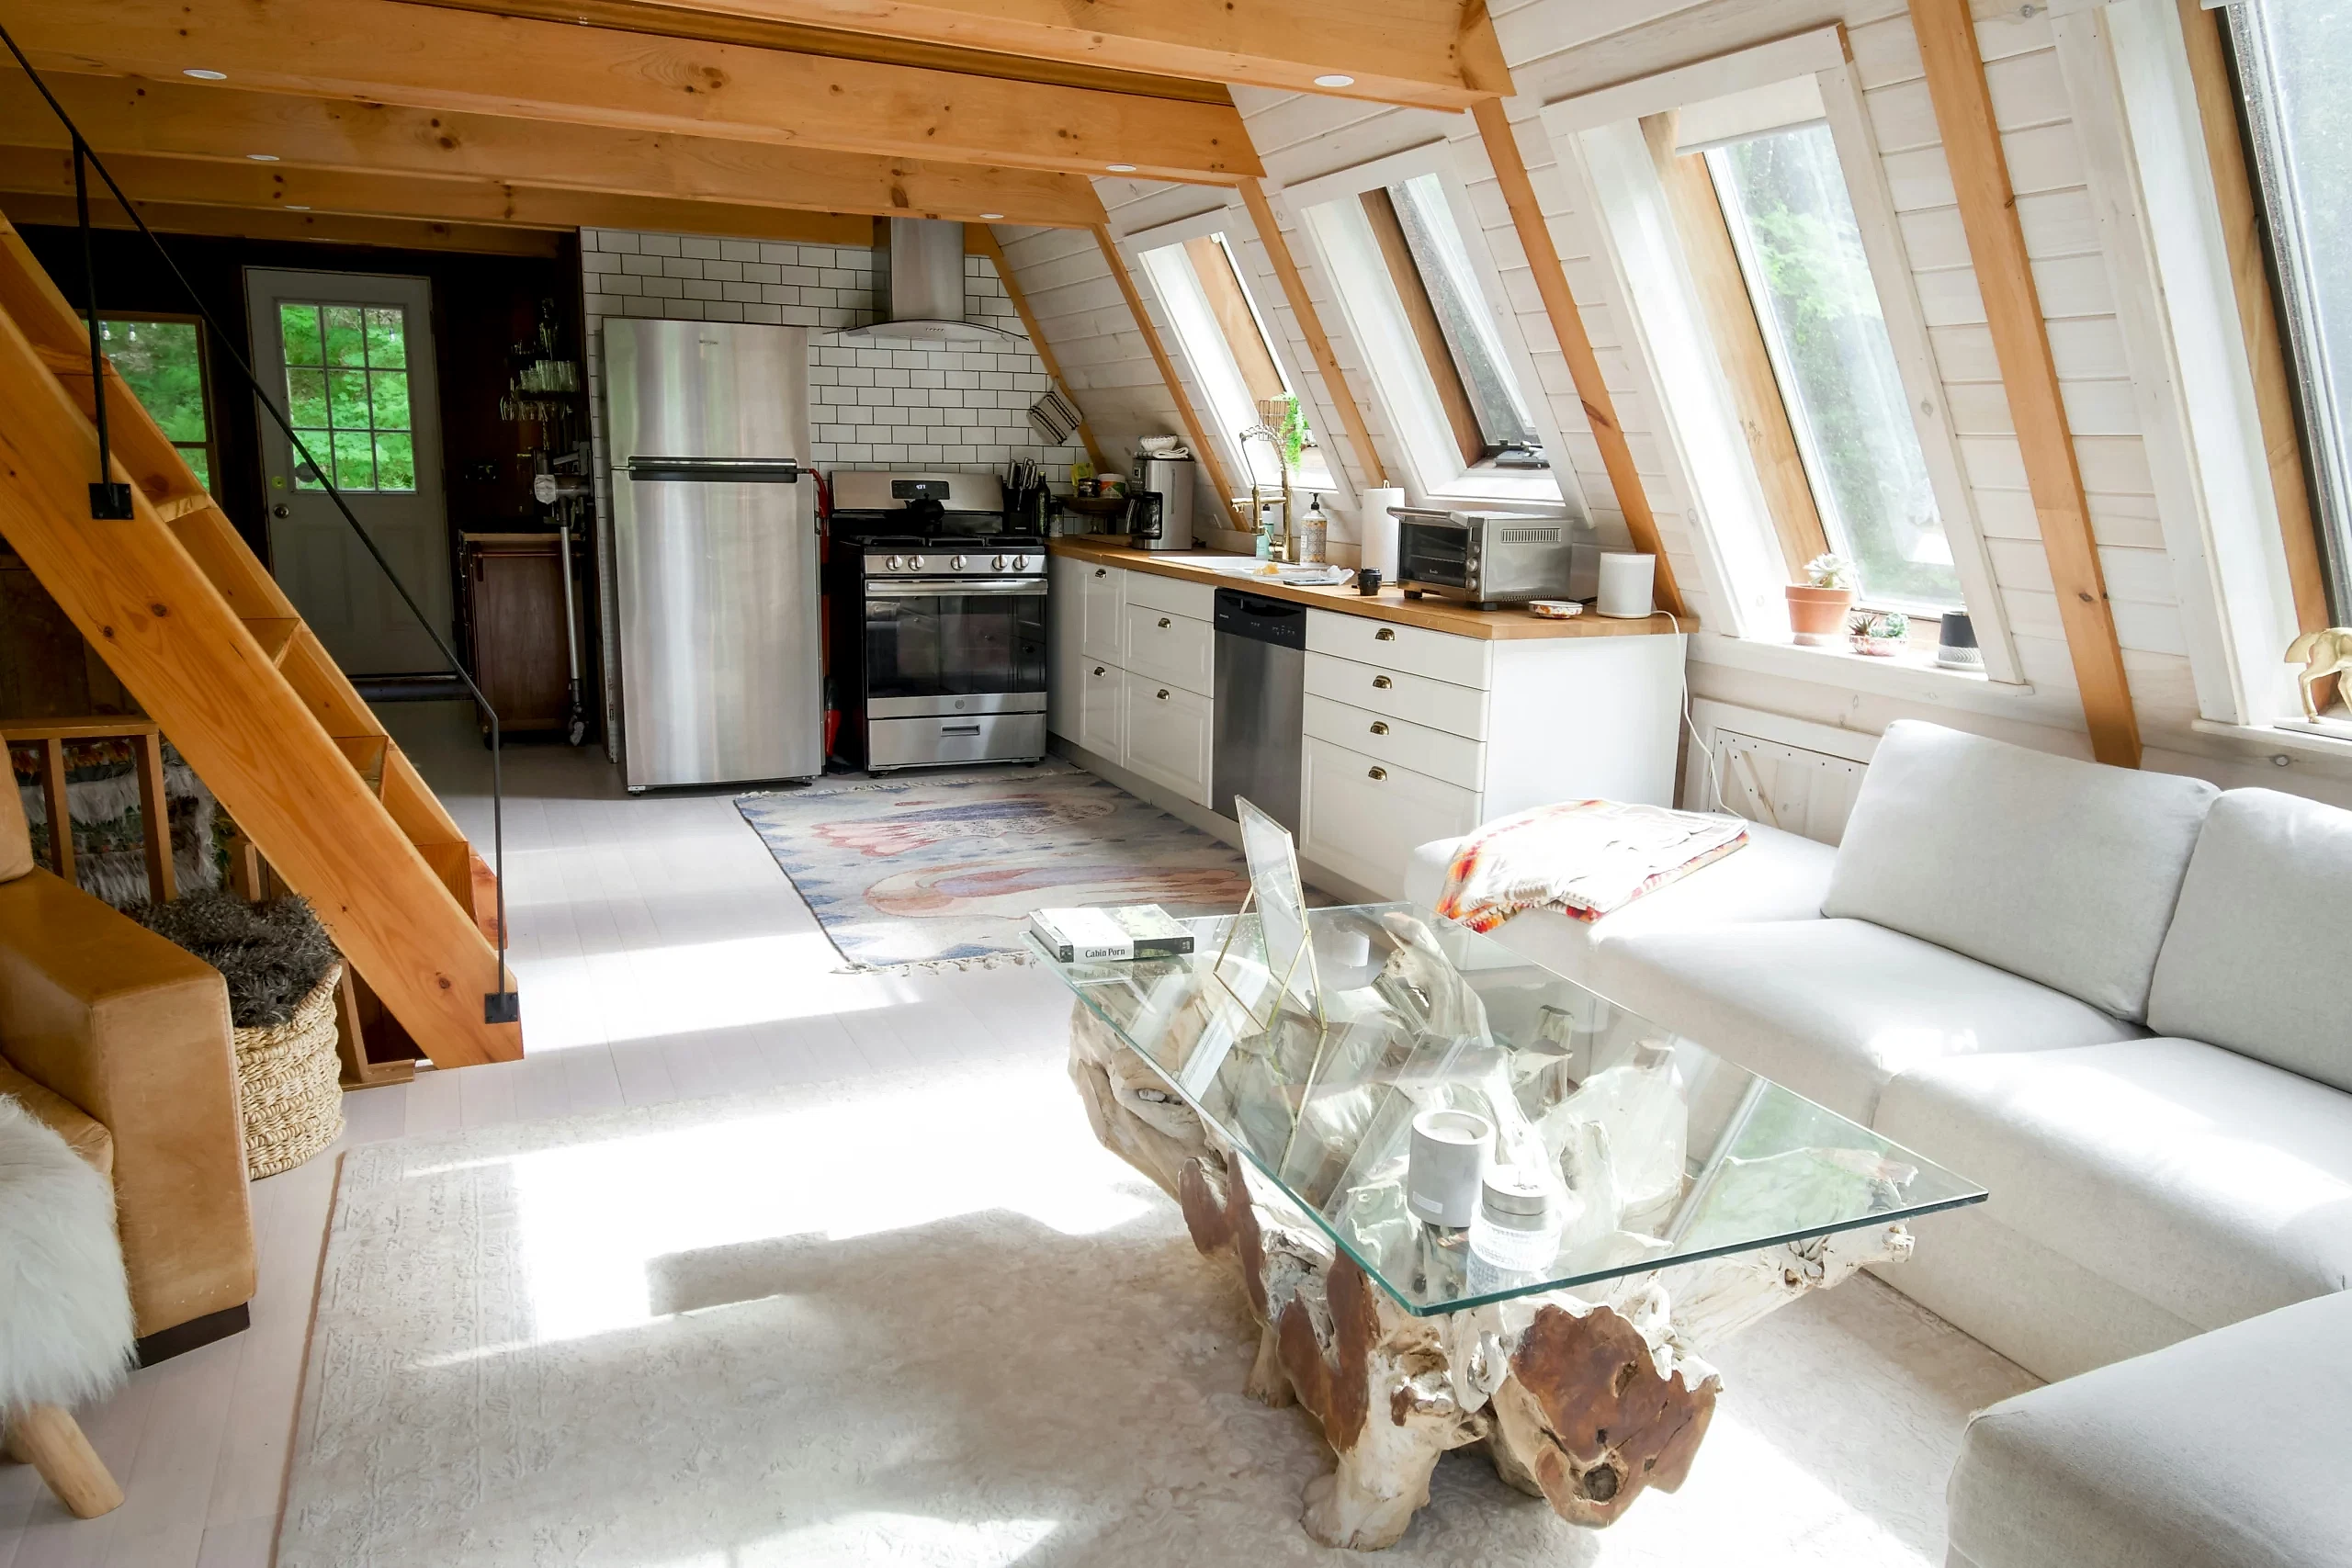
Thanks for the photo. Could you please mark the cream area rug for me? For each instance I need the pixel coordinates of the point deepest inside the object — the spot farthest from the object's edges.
(928, 1323)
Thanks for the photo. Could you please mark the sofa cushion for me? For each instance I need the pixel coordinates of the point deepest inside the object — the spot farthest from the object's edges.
(1779, 877)
(2213, 1185)
(2062, 872)
(2259, 955)
(1834, 1009)
(2222, 1451)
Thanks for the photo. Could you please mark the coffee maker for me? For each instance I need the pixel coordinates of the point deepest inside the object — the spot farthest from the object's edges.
(1170, 478)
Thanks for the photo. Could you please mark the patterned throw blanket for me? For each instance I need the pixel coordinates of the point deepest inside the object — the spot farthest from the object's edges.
(1585, 858)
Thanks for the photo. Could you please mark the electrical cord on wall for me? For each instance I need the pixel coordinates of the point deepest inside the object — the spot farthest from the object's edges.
(1715, 778)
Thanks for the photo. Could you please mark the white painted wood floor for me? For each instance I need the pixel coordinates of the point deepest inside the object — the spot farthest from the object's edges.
(662, 955)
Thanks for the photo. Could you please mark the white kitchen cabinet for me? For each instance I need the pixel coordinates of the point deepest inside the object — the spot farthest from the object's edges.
(1101, 608)
(1362, 819)
(1410, 735)
(1101, 708)
(1167, 735)
(1169, 647)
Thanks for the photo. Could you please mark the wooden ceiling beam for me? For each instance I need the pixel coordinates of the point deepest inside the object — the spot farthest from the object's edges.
(1432, 53)
(687, 18)
(1988, 215)
(184, 120)
(194, 182)
(433, 58)
(24, 208)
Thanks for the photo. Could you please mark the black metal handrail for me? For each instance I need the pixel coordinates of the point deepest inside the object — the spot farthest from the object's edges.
(110, 499)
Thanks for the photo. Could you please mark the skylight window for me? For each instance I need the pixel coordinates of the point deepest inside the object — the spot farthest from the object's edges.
(1459, 344)
(1800, 249)
(1226, 342)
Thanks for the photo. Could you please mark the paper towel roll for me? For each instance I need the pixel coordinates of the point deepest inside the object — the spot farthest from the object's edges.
(1379, 531)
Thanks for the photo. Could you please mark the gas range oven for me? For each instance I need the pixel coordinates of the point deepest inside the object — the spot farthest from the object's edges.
(938, 622)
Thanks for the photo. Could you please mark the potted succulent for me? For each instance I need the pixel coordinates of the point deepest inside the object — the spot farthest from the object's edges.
(1817, 607)
(1882, 634)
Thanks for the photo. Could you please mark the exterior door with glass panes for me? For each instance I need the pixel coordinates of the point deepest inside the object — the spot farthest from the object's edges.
(350, 355)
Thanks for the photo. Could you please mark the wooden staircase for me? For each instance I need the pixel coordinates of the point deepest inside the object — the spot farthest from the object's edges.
(194, 624)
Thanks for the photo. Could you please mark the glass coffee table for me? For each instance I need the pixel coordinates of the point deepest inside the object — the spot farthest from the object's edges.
(1472, 1201)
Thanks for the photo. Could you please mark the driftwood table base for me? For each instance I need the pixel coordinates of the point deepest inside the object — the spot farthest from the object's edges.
(1583, 1399)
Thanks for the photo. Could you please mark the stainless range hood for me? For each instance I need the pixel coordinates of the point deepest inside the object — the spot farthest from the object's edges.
(919, 289)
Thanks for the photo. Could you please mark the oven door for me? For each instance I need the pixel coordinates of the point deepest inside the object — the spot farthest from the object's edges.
(954, 646)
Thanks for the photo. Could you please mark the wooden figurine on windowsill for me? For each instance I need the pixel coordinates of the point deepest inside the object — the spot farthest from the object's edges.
(2322, 654)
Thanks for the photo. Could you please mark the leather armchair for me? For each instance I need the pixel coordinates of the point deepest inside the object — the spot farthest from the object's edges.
(120, 1040)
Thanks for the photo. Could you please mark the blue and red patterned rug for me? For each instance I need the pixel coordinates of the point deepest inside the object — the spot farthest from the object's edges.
(928, 871)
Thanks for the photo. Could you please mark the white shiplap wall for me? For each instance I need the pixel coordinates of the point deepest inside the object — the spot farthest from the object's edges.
(1558, 49)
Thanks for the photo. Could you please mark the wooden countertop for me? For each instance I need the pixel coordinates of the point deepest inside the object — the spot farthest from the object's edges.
(1389, 605)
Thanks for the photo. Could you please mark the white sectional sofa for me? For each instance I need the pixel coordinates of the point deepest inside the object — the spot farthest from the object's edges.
(2122, 1000)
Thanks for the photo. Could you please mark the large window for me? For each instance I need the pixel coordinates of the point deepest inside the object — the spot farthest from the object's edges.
(1799, 250)
(1223, 337)
(162, 362)
(1460, 346)
(2292, 62)
(1418, 294)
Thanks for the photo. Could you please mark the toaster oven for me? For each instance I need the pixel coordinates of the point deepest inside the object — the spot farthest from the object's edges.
(1483, 558)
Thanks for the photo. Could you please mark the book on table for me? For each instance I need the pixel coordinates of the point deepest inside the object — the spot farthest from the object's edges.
(1109, 934)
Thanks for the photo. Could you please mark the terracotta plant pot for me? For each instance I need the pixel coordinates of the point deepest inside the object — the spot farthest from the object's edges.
(1817, 616)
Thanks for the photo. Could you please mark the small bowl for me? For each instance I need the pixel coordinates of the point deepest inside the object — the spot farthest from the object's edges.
(1555, 609)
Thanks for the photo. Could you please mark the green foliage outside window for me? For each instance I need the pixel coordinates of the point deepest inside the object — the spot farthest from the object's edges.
(347, 394)
(162, 362)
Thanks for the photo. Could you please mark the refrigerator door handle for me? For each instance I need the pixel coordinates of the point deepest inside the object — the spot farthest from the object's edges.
(718, 470)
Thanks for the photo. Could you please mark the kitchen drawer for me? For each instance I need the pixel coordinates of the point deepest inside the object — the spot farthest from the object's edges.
(1461, 660)
(1163, 646)
(1439, 705)
(1398, 742)
(1168, 734)
(1173, 595)
(1364, 818)
(1102, 602)
(1102, 705)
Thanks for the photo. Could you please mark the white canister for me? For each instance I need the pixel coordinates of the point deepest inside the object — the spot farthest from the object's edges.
(1625, 586)
(1443, 1164)
(1378, 531)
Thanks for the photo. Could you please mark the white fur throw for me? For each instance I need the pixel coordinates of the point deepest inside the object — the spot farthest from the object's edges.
(65, 1325)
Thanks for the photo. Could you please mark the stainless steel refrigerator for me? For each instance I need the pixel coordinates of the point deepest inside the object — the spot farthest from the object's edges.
(714, 552)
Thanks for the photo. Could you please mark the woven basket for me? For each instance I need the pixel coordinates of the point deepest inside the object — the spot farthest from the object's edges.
(289, 1084)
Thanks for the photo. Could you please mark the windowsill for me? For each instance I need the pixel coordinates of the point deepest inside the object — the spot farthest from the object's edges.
(1536, 486)
(2329, 740)
(1908, 676)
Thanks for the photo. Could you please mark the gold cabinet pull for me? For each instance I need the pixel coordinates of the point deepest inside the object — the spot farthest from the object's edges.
(1386, 634)
(1165, 623)
(1163, 694)
(1379, 727)
(1381, 683)
(1376, 775)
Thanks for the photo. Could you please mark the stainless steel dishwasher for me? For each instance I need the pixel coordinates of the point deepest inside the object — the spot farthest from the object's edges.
(1261, 704)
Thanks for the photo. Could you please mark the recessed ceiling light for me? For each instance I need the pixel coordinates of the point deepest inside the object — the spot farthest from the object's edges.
(207, 75)
(263, 157)
(990, 216)
(1121, 168)
(296, 207)
(1335, 80)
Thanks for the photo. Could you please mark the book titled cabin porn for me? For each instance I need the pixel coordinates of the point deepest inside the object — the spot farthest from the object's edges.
(1108, 935)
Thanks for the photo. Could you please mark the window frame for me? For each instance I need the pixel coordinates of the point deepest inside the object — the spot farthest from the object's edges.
(2278, 214)
(1243, 247)
(1432, 471)
(1599, 138)
(211, 442)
